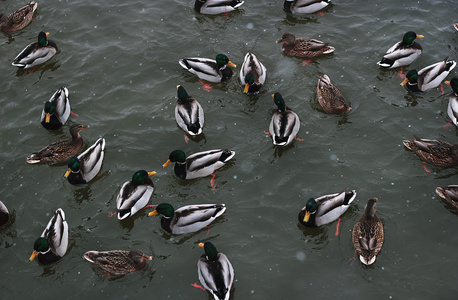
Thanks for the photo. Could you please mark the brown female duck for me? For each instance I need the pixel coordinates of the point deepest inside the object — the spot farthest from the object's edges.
(303, 47)
(118, 262)
(330, 98)
(18, 19)
(435, 152)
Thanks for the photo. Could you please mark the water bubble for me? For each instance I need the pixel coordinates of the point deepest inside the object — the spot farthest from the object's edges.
(249, 26)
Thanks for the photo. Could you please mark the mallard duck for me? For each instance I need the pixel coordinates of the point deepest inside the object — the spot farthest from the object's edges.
(368, 234)
(209, 69)
(252, 74)
(402, 53)
(53, 242)
(4, 214)
(429, 77)
(216, 273)
(455, 25)
(87, 165)
(304, 6)
(56, 111)
(199, 164)
(118, 262)
(188, 113)
(36, 53)
(60, 150)
(325, 209)
(435, 152)
(449, 193)
(134, 194)
(214, 7)
(18, 19)
(329, 97)
(452, 109)
(285, 123)
(303, 47)
(189, 218)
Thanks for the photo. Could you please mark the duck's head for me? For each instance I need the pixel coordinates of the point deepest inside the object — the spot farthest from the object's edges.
(310, 208)
(210, 250)
(75, 129)
(278, 100)
(73, 165)
(49, 110)
(370, 208)
(249, 80)
(164, 209)
(140, 176)
(409, 37)
(139, 258)
(222, 60)
(411, 76)
(454, 84)
(42, 38)
(176, 156)
(287, 38)
(181, 93)
(41, 245)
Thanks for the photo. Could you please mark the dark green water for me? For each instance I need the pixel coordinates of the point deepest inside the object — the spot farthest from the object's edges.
(119, 60)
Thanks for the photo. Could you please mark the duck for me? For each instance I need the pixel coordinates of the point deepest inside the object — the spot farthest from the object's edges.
(56, 110)
(215, 271)
(118, 262)
(199, 164)
(455, 25)
(214, 7)
(60, 150)
(402, 53)
(435, 152)
(4, 214)
(449, 193)
(84, 167)
(428, 77)
(18, 19)
(36, 53)
(252, 74)
(189, 218)
(330, 98)
(452, 108)
(134, 194)
(209, 69)
(368, 234)
(325, 209)
(189, 113)
(304, 6)
(52, 245)
(303, 47)
(285, 123)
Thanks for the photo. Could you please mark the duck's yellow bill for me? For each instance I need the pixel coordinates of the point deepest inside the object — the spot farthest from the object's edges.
(48, 117)
(178, 86)
(405, 81)
(447, 82)
(307, 216)
(154, 212)
(151, 173)
(68, 172)
(168, 162)
(247, 86)
(201, 245)
(34, 254)
(419, 36)
(273, 95)
(230, 63)
(47, 33)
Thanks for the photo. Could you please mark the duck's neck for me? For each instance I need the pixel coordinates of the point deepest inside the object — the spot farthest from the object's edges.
(180, 170)
(165, 223)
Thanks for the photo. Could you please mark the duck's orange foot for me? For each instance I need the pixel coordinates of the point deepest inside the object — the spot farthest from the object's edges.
(33, 70)
(208, 230)
(73, 114)
(198, 286)
(206, 86)
(442, 89)
(186, 139)
(320, 13)
(266, 132)
(337, 228)
(112, 214)
(150, 206)
(351, 260)
(448, 125)
(212, 182)
(400, 74)
(425, 168)
(305, 62)
(298, 139)
(226, 15)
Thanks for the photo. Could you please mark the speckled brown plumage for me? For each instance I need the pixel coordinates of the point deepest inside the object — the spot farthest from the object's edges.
(118, 262)
(435, 152)
(18, 19)
(303, 47)
(330, 98)
(449, 193)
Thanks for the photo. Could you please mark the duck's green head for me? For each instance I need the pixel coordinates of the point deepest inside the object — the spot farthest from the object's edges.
(210, 250)
(310, 208)
(49, 110)
(73, 165)
(409, 37)
(278, 99)
(42, 38)
(40, 245)
(175, 156)
(164, 209)
(222, 60)
(411, 77)
(181, 93)
(140, 176)
(249, 80)
(454, 84)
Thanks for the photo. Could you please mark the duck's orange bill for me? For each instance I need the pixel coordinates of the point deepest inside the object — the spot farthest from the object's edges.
(151, 173)
(419, 36)
(447, 82)
(48, 117)
(405, 81)
(68, 172)
(154, 212)
(307, 216)
(34, 254)
(247, 86)
(168, 162)
(201, 245)
(230, 63)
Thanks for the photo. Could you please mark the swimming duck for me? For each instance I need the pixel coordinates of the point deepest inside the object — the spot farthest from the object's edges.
(4, 214)
(402, 53)
(189, 218)
(285, 123)
(87, 165)
(216, 273)
(325, 209)
(56, 111)
(199, 164)
(36, 53)
(214, 7)
(252, 74)
(329, 97)
(209, 69)
(449, 193)
(428, 77)
(368, 234)
(18, 19)
(435, 152)
(188, 113)
(303, 47)
(452, 109)
(304, 6)
(60, 150)
(118, 262)
(134, 194)
(455, 25)
(53, 242)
